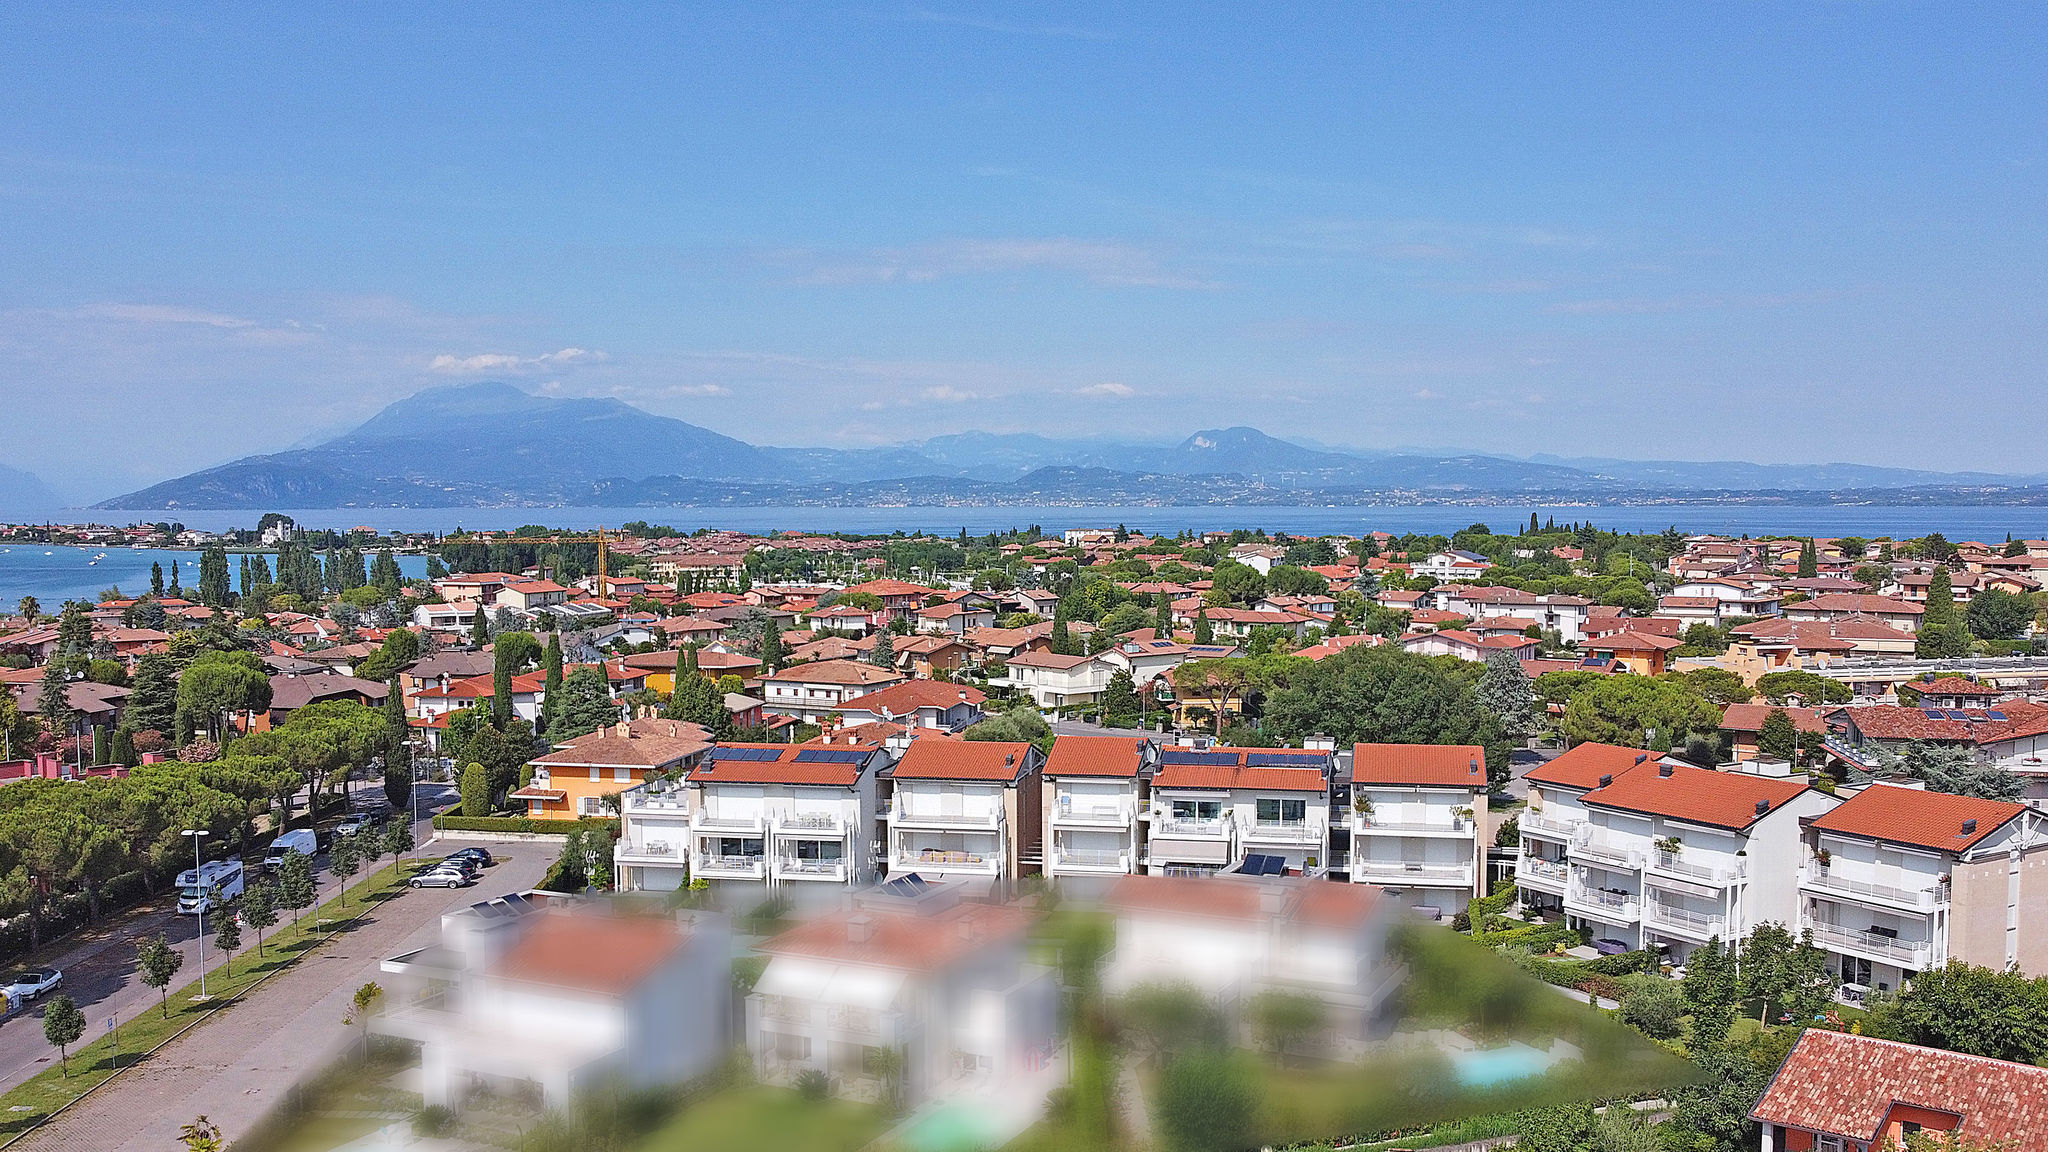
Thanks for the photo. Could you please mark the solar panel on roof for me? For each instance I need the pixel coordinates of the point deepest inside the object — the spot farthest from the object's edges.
(518, 900)
(1254, 864)
(1995, 715)
(738, 755)
(1272, 759)
(830, 756)
(1954, 715)
(1201, 759)
(1275, 866)
(910, 885)
(1931, 713)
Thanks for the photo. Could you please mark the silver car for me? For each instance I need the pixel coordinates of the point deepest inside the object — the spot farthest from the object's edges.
(442, 878)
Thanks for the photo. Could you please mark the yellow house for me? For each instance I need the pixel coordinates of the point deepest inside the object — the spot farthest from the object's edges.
(572, 781)
(660, 667)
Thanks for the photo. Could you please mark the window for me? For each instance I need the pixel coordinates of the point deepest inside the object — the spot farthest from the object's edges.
(1282, 811)
(827, 850)
(739, 846)
(593, 775)
(1197, 809)
(622, 775)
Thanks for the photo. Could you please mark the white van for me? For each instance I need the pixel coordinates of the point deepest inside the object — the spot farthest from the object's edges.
(300, 840)
(209, 886)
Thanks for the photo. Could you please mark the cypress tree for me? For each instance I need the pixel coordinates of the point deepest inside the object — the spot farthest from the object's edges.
(172, 588)
(552, 688)
(1941, 600)
(156, 580)
(1205, 633)
(1809, 561)
(479, 628)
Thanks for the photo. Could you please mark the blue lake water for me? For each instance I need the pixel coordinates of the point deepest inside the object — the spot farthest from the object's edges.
(1958, 523)
(53, 574)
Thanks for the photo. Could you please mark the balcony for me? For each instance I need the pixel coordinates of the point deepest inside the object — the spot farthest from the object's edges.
(1550, 875)
(1096, 814)
(828, 871)
(1537, 824)
(811, 825)
(648, 852)
(945, 860)
(915, 816)
(1716, 875)
(1684, 921)
(719, 867)
(1401, 874)
(1915, 954)
(1215, 828)
(1819, 881)
(717, 821)
(1091, 860)
(675, 801)
(1284, 831)
(1371, 825)
(1607, 855)
(1612, 907)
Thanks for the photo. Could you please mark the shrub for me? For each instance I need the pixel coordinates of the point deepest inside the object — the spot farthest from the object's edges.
(454, 823)
(813, 1085)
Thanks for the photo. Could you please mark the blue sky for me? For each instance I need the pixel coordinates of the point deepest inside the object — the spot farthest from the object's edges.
(1776, 232)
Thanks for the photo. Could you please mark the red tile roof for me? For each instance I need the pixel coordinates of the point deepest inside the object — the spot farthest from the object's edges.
(643, 744)
(1952, 686)
(1583, 766)
(1918, 817)
(1854, 602)
(1894, 722)
(1310, 777)
(603, 954)
(1750, 717)
(905, 941)
(835, 672)
(907, 697)
(784, 769)
(1452, 765)
(1119, 756)
(946, 758)
(1846, 1085)
(1696, 795)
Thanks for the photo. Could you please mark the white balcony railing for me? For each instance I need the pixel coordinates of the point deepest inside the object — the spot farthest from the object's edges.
(641, 800)
(1093, 860)
(1542, 825)
(1617, 906)
(1542, 871)
(1910, 953)
(1457, 826)
(1217, 827)
(648, 850)
(945, 860)
(1394, 872)
(1925, 899)
(1100, 813)
(828, 822)
(728, 821)
(1722, 874)
(1608, 854)
(721, 865)
(811, 869)
(1285, 831)
(901, 813)
(1685, 920)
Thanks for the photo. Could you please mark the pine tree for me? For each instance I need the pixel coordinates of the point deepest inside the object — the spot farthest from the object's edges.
(1941, 600)
(1809, 561)
(479, 628)
(156, 580)
(883, 654)
(1778, 737)
(1205, 632)
(1504, 690)
(1120, 707)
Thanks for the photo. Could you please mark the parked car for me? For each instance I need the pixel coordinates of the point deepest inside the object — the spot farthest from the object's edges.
(463, 864)
(300, 840)
(32, 983)
(355, 822)
(442, 878)
(480, 855)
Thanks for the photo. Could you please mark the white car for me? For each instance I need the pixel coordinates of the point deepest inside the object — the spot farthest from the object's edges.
(442, 878)
(33, 983)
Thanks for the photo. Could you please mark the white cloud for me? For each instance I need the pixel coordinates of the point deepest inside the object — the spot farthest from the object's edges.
(163, 314)
(1107, 388)
(947, 394)
(507, 362)
(1104, 262)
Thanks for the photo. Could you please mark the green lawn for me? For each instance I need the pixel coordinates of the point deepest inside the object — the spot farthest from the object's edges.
(94, 1063)
(758, 1118)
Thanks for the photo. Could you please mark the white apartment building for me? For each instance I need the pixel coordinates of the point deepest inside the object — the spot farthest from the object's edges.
(1418, 822)
(1453, 565)
(811, 692)
(1095, 787)
(964, 810)
(1897, 880)
(1054, 681)
(947, 986)
(1565, 615)
(1658, 853)
(788, 819)
(1212, 806)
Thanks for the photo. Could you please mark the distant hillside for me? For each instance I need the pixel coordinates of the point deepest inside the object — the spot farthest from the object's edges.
(24, 492)
(492, 444)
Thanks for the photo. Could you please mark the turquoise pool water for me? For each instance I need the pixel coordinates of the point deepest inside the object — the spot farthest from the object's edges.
(1491, 1066)
(949, 1128)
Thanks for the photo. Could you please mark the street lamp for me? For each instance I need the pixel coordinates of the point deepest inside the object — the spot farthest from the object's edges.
(197, 835)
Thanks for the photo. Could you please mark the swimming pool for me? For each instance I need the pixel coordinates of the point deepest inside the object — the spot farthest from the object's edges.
(950, 1128)
(1490, 1066)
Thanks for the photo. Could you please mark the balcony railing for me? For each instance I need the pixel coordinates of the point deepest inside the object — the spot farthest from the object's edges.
(1684, 919)
(820, 869)
(901, 814)
(1399, 871)
(1612, 905)
(1912, 953)
(1092, 859)
(638, 800)
(1537, 868)
(1181, 826)
(1286, 831)
(1602, 852)
(727, 821)
(1093, 813)
(809, 822)
(1454, 827)
(648, 850)
(1542, 825)
(1918, 899)
(730, 865)
(1722, 874)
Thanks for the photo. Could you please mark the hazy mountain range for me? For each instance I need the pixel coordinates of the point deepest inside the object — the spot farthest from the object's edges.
(492, 444)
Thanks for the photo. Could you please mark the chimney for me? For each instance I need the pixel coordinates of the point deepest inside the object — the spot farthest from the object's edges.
(1763, 807)
(1664, 770)
(1970, 827)
(1607, 779)
(1472, 767)
(1642, 756)
(860, 929)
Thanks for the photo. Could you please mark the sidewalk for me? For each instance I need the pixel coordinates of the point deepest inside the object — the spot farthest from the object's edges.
(238, 1065)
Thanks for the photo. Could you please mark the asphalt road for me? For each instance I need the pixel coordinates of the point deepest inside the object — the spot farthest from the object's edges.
(99, 964)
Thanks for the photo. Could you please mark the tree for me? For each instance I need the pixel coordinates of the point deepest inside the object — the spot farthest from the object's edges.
(1653, 1006)
(1627, 709)
(586, 705)
(1810, 687)
(1120, 707)
(1208, 1100)
(551, 683)
(156, 580)
(153, 700)
(1965, 1008)
(1778, 737)
(1996, 614)
(1953, 769)
(296, 889)
(345, 859)
(156, 963)
(215, 589)
(63, 1024)
(398, 837)
(1205, 632)
(362, 1005)
(1781, 969)
(1711, 990)
(883, 654)
(1941, 600)
(1285, 1019)
(202, 1135)
(218, 684)
(479, 628)
(401, 647)
(1949, 641)
(228, 937)
(1379, 695)
(1504, 691)
(1809, 561)
(1719, 686)
(771, 647)
(53, 700)
(476, 791)
(259, 910)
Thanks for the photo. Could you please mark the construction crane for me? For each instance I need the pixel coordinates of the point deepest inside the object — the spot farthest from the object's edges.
(601, 538)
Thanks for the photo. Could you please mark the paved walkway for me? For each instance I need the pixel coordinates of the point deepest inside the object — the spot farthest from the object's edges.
(237, 1066)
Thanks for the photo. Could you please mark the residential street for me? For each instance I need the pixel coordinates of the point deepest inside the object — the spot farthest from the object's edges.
(237, 1066)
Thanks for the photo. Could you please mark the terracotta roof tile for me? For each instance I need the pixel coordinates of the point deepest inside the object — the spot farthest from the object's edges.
(1845, 1085)
(1696, 795)
(602, 954)
(1918, 817)
(1451, 765)
(1582, 767)
(1119, 756)
(946, 758)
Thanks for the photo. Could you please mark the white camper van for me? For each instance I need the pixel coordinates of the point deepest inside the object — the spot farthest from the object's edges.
(209, 886)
